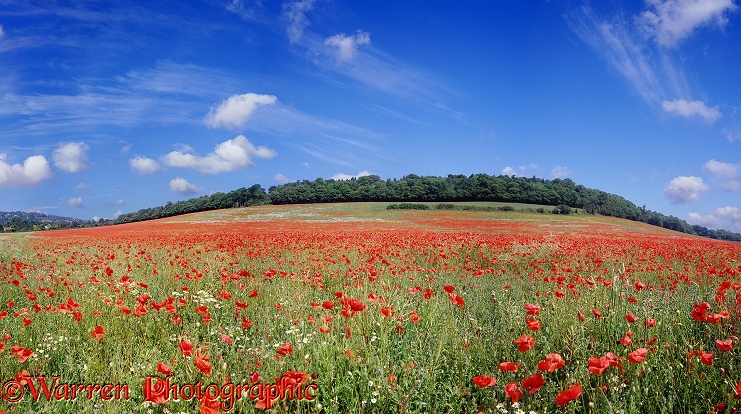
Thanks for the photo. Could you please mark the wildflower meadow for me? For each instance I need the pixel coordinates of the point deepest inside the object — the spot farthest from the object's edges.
(335, 308)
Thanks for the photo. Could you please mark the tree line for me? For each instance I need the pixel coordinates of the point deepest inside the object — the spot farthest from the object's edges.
(563, 193)
(482, 187)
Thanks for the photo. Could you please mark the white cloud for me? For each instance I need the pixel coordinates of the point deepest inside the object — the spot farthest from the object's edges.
(119, 202)
(671, 21)
(2, 32)
(684, 189)
(228, 156)
(730, 186)
(182, 186)
(83, 187)
(560, 172)
(144, 165)
(343, 176)
(76, 202)
(117, 213)
(235, 111)
(347, 46)
(727, 218)
(71, 157)
(655, 73)
(34, 170)
(295, 14)
(281, 179)
(688, 109)
(722, 169)
(125, 149)
(524, 170)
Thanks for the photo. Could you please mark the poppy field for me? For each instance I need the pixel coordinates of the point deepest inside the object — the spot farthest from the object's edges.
(355, 308)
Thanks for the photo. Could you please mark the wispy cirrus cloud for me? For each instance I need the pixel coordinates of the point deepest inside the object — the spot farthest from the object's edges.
(671, 21)
(295, 14)
(360, 65)
(652, 69)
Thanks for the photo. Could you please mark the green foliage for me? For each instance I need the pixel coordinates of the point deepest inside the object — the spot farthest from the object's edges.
(242, 197)
(562, 209)
(408, 206)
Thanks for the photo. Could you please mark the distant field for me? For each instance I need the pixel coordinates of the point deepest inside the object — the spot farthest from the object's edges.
(334, 308)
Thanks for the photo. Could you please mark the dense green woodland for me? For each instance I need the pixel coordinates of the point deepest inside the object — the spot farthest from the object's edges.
(415, 189)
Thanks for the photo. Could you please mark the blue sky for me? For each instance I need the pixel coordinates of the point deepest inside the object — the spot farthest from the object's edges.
(112, 106)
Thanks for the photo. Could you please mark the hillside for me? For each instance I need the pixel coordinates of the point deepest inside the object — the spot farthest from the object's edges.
(29, 221)
(561, 195)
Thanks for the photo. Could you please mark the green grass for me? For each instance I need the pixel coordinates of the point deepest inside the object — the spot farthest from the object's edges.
(421, 367)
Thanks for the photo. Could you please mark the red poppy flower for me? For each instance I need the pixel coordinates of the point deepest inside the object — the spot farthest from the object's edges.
(413, 316)
(209, 404)
(98, 332)
(186, 347)
(597, 314)
(448, 288)
(328, 305)
(324, 329)
(724, 346)
(650, 322)
(532, 324)
(631, 318)
(598, 365)
(639, 355)
(246, 323)
(580, 316)
(484, 381)
(202, 362)
(718, 317)
(254, 377)
(699, 311)
(356, 305)
(285, 349)
(564, 397)
(22, 353)
(532, 309)
(551, 363)
(163, 368)
(457, 300)
(534, 383)
(508, 366)
(706, 358)
(387, 312)
(524, 343)
(512, 390)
